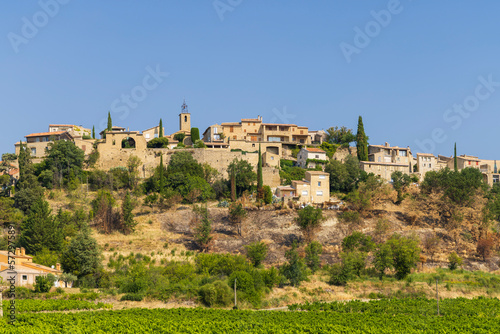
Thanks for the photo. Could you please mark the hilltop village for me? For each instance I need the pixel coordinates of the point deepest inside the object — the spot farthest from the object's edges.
(220, 144)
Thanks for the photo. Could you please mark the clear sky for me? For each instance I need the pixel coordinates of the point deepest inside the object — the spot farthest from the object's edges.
(422, 74)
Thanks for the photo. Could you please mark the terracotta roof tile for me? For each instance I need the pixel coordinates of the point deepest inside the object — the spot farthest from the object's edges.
(314, 149)
(40, 134)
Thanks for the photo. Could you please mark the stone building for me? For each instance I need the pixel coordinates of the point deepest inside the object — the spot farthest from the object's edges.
(314, 189)
(309, 157)
(383, 160)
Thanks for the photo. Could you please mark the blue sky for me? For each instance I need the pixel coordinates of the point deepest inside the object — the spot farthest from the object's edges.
(408, 68)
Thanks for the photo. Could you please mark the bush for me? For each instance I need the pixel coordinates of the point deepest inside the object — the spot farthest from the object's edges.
(161, 142)
(221, 264)
(268, 194)
(313, 251)
(44, 283)
(454, 261)
(136, 297)
(244, 281)
(256, 252)
(339, 275)
(271, 277)
(309, 220)
(295, 270)
(216, 294)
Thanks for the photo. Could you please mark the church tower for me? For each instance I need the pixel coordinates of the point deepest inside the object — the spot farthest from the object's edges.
(185, 118)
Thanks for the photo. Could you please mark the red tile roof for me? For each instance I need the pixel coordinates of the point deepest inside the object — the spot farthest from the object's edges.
(68, 125)
(313, 149)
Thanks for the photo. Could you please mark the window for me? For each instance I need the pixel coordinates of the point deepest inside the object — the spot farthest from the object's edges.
(37, 139)
(272, 158)
(379, 159)
(147, 135)
(319, 193)
(33, 151)
(234, 137)
(245, 130)
(25, 277)
(231, 129)
(301, 132)
(304, 192)
(215, 130)
(477, 163)
(253, 145)
(253, 124)
(319, 183)
(185, 118)
(302, 141)
(322, 177)
(156, 135)
(496, 178)
(430, 165)
(402, 153)
(316, 156)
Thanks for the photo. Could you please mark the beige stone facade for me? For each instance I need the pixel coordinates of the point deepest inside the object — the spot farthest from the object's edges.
(383, 160)
(38, 143)
(314, 189)
(76, 131)
(253, 129)
(152, 133)
(310, 153)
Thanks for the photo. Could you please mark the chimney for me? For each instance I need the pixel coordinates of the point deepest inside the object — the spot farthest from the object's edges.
(17, 252)
(23, 251)
(386, 144)
(58, 266)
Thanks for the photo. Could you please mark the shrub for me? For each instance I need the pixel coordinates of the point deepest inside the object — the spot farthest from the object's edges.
(309, 220)
(44, 283)
(339, 275)
(271, 277)
(244, 281)
(136, 297)
(215, 294)
(267, 194)
(220, 264)
(485, 247)
(256, 252)
(237, 214)
(160, 142)
(295, 270)
(454, 261)
(313, 251)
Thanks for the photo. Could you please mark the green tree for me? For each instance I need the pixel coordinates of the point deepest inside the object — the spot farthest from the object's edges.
(67, 278)
(203, 227)
(160, 135)
(195, 134)
(128, 217)
(329, 148)
(161, 142)
(259, 170)
(28, 190)
(40, 230)
(243, 174)
(455, 161)
(342, 136)
(309, 220)
(237, 215)
(46, 257)
(109, 128)
(161, 176)
(199, 144)
(357, 241)
(65, 160)
(454, 261)
(361, 141)
(180, 137)
(82, 256)
(93, 132)
(400, 253)
(256, 252)
(400, 182)
(295, 269)
(44, 283)
(267, 194)
(313, 251)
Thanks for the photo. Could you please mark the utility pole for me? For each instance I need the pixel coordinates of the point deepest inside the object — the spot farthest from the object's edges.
(437, 295)
(235, 301)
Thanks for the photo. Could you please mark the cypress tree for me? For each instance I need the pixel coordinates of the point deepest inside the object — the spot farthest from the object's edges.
(110, 123)
(361, 141)
(161, 129)
(233, 184)
(161, 174)
(259, 171)
(93, 132)
(455, 161)
(128, 217)
(195, 135)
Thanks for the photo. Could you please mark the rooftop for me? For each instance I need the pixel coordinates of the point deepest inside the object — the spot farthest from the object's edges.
(43, 134)
(314, 149)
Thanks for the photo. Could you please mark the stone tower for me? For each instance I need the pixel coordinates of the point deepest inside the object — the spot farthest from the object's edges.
(185, 118)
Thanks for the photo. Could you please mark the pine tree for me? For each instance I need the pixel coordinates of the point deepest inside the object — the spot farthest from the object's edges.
(93, 132)
(110, 123)
(83, 256)
(40, 230)
(361, 141)
(455, 161)
(161, 129)
(128, 217)
(259, 171)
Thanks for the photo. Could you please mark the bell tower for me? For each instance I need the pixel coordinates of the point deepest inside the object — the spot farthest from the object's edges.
(184, 118)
